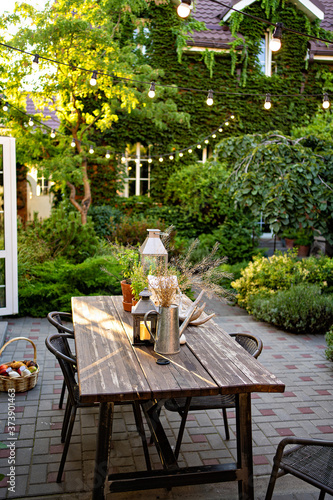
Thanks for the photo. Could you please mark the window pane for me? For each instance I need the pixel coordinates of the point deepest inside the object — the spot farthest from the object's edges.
(143, 187)
(262, 54)
(2, 284)
(131, 187)
(144, 170)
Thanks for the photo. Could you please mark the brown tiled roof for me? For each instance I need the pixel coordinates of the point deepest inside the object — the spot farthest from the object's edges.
(51, 118)
(219, 37)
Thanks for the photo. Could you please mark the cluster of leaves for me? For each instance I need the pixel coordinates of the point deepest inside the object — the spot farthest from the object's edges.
(301, 309)
(281, 272)
(329, 341)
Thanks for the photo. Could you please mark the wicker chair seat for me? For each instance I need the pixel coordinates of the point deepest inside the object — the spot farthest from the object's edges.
(314, 462)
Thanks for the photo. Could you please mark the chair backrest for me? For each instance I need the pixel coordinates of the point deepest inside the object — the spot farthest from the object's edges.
(251, 344)
(56, 319)
(56, 344)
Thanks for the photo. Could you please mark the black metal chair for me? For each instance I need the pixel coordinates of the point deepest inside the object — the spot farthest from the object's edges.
(56, 319)
(311, 460)
(56, 344)
(251, 344)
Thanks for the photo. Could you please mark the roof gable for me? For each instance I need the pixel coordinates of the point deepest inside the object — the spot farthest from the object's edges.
(314, 9)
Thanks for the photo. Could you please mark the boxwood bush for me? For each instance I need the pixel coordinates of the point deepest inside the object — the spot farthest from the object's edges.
(301, 309)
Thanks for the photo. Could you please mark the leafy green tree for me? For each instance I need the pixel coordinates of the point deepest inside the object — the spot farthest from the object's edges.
(85, 37)
(283, 178)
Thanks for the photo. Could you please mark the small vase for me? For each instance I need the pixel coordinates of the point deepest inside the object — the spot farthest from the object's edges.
(303, 251)
(126, 290)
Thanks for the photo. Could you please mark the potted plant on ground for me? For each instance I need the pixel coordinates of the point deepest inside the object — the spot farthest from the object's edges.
(303, 241)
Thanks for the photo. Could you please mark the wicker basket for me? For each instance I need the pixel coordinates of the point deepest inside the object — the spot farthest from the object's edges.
(20, 384)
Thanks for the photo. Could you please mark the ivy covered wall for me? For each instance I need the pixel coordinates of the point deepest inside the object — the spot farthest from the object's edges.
(237, 72)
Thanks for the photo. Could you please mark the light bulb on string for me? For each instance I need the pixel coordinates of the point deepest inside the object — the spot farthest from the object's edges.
(93, 79)
(151, 92)
(150, 159)
(275, 43)
(220, 129)
(107, 155)
(326, 103)
(160, 159)
(181, 154)
(214, 136)
(35, 62)
(268, 103)
(171, 157)
(53, 134)
(123, 158)
(30, 122)
(210, 100)
(5, 106)
(232, 117)
(206, 141)
(190, 150)
(91, 149)
(184, 8)
(199, 146)
(226, 123)
(73, 143)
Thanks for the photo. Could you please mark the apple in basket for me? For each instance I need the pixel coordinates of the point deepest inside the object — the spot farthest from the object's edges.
(3, 370)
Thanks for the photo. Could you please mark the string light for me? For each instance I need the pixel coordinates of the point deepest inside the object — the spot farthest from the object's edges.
(184, 8)
(93, 79)
(35, 62)
(151, 92)
(326, 103)
(73, 143)
(30, 122)
(181, 154)
(275, 43)
(268, 103)
(150, 159)
(214, 136)
(199, 146)
(171, 157)
(220, 129)
(123, 158)
(210, 100)
(53, 134)
(160, 159)
(190, 150)
(5, 106)
(226, 123)
(232, 117)
(206, 141)
(108, 154)
(91, 149)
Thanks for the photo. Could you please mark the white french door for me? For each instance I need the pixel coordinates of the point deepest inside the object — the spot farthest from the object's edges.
(8, 228)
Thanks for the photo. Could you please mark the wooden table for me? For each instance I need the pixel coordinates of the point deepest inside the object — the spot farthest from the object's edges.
(111, 370)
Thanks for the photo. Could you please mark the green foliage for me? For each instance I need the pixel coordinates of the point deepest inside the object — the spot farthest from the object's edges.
(133, 231)
(104, 219)
(301, 309)
(50, 285)
(62, 234)
(281, 272)
(139, 280)
(233, 269)
(329, 340)
(128, 258)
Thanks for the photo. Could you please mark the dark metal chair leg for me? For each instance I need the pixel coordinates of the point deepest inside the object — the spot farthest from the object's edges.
(65, 421)
(322, 495)
(62, 395)
(68, 438)
(141, 431)
(226, 426)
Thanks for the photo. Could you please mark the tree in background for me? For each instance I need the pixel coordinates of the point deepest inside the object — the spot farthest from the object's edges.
(92, 36)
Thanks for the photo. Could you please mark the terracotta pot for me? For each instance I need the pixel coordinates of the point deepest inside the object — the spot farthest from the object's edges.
(134, 302)
(289, 242)
(126, 290)
(303, 251)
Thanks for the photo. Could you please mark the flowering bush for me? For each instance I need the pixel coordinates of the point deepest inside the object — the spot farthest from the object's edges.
(266, 276)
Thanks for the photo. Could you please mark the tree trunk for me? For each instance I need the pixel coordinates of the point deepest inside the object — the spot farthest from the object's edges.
(86, 202)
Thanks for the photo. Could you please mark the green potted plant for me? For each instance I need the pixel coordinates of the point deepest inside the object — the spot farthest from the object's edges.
(289, 236)
(128, 257)
(139, 280)
(303, 241)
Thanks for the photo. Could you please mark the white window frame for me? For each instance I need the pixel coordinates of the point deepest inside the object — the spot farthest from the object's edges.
(137, 176)
(10, 222)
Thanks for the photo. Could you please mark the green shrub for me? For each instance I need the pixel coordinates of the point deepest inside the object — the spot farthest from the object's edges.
(133, 231)
(49, 286)
(104, 218)
(234, 269)
(329, 340)
(280, 272)
(301, 309)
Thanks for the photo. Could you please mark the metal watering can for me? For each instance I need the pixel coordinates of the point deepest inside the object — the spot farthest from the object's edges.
(167, 331)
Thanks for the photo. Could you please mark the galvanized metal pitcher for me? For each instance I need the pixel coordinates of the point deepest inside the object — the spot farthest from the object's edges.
(167, 331)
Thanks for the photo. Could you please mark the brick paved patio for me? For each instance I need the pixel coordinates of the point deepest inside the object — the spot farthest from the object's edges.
(303, 410)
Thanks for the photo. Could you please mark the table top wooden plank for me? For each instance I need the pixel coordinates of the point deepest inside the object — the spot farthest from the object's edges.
(108, 370)
(184, 375)
(111, 369)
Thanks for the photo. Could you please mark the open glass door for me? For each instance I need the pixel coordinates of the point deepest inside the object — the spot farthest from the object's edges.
(8, 228)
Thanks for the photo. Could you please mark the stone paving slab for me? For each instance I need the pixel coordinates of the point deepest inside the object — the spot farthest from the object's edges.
(304, 410)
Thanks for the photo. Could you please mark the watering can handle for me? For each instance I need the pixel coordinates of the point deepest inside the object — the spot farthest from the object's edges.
(153, 311)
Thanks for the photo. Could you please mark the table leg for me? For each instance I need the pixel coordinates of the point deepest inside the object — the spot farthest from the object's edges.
(244, 446)
(103, 447)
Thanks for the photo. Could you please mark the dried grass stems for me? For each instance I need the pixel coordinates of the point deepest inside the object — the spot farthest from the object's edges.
(164, 286)
(204, 274)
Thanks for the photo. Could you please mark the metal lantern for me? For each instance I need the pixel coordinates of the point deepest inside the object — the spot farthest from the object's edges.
(152, 251)
(140, 332)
